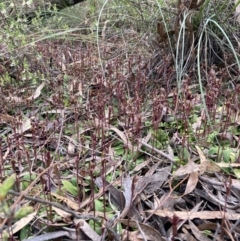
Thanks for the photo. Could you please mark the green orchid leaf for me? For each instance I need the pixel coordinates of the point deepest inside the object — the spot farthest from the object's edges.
(70, 187)
(6, 186)
(23, 212)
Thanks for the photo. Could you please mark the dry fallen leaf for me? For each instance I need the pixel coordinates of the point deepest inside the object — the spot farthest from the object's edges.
(186, 235)
(201, 215)
(127, 185)
(122, 136)
(99, 123)
(190, 167)
(209, 166)
(150, 232)
(85, 227)
(152, 183)
(37, 92)
(69, 203)
(197, 233)
(140, 166)
(14, 99)
(21, 223)
(206, 165)
(192, 183)
(116, 196)
(196, 126)
(25, 126)
(61, 212)
(227, 165)
(201, 155)
(132, 236)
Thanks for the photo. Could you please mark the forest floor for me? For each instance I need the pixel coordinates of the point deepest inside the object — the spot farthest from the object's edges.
(116, 137)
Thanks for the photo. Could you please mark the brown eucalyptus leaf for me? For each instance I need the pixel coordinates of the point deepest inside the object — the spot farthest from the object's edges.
(8, 119)
(53, 236)
(170, 151)
(69, 203)
(196, 125)
(85, 227)
(150, 232)
(132, 236)
(207, 226)
(127, 184)
(209, 166)
(14, 99)
(186, 235)
(206, 165)
(168, 200)
(25, 126)
(190, 167)
(192, 182)
(124, 137)
(152, 183)
(61, 212)
(201, 155)
(142, 165)
(236, 184)
(37, 92)
(192, 215)
(21, 223)
(116, 196)
(197, 233)
(71, 149)
(227, 165)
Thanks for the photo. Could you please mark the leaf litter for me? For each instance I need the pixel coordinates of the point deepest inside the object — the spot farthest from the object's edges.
(96, 150)
(149, 182)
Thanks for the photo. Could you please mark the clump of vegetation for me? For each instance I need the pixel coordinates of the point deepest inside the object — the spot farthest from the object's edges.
(119, 120)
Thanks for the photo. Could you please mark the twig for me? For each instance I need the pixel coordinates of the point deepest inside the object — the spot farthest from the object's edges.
(170, 158)
(50, 236)
(115, 235)
(141, 231)
(235, 225)
(57, 205)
